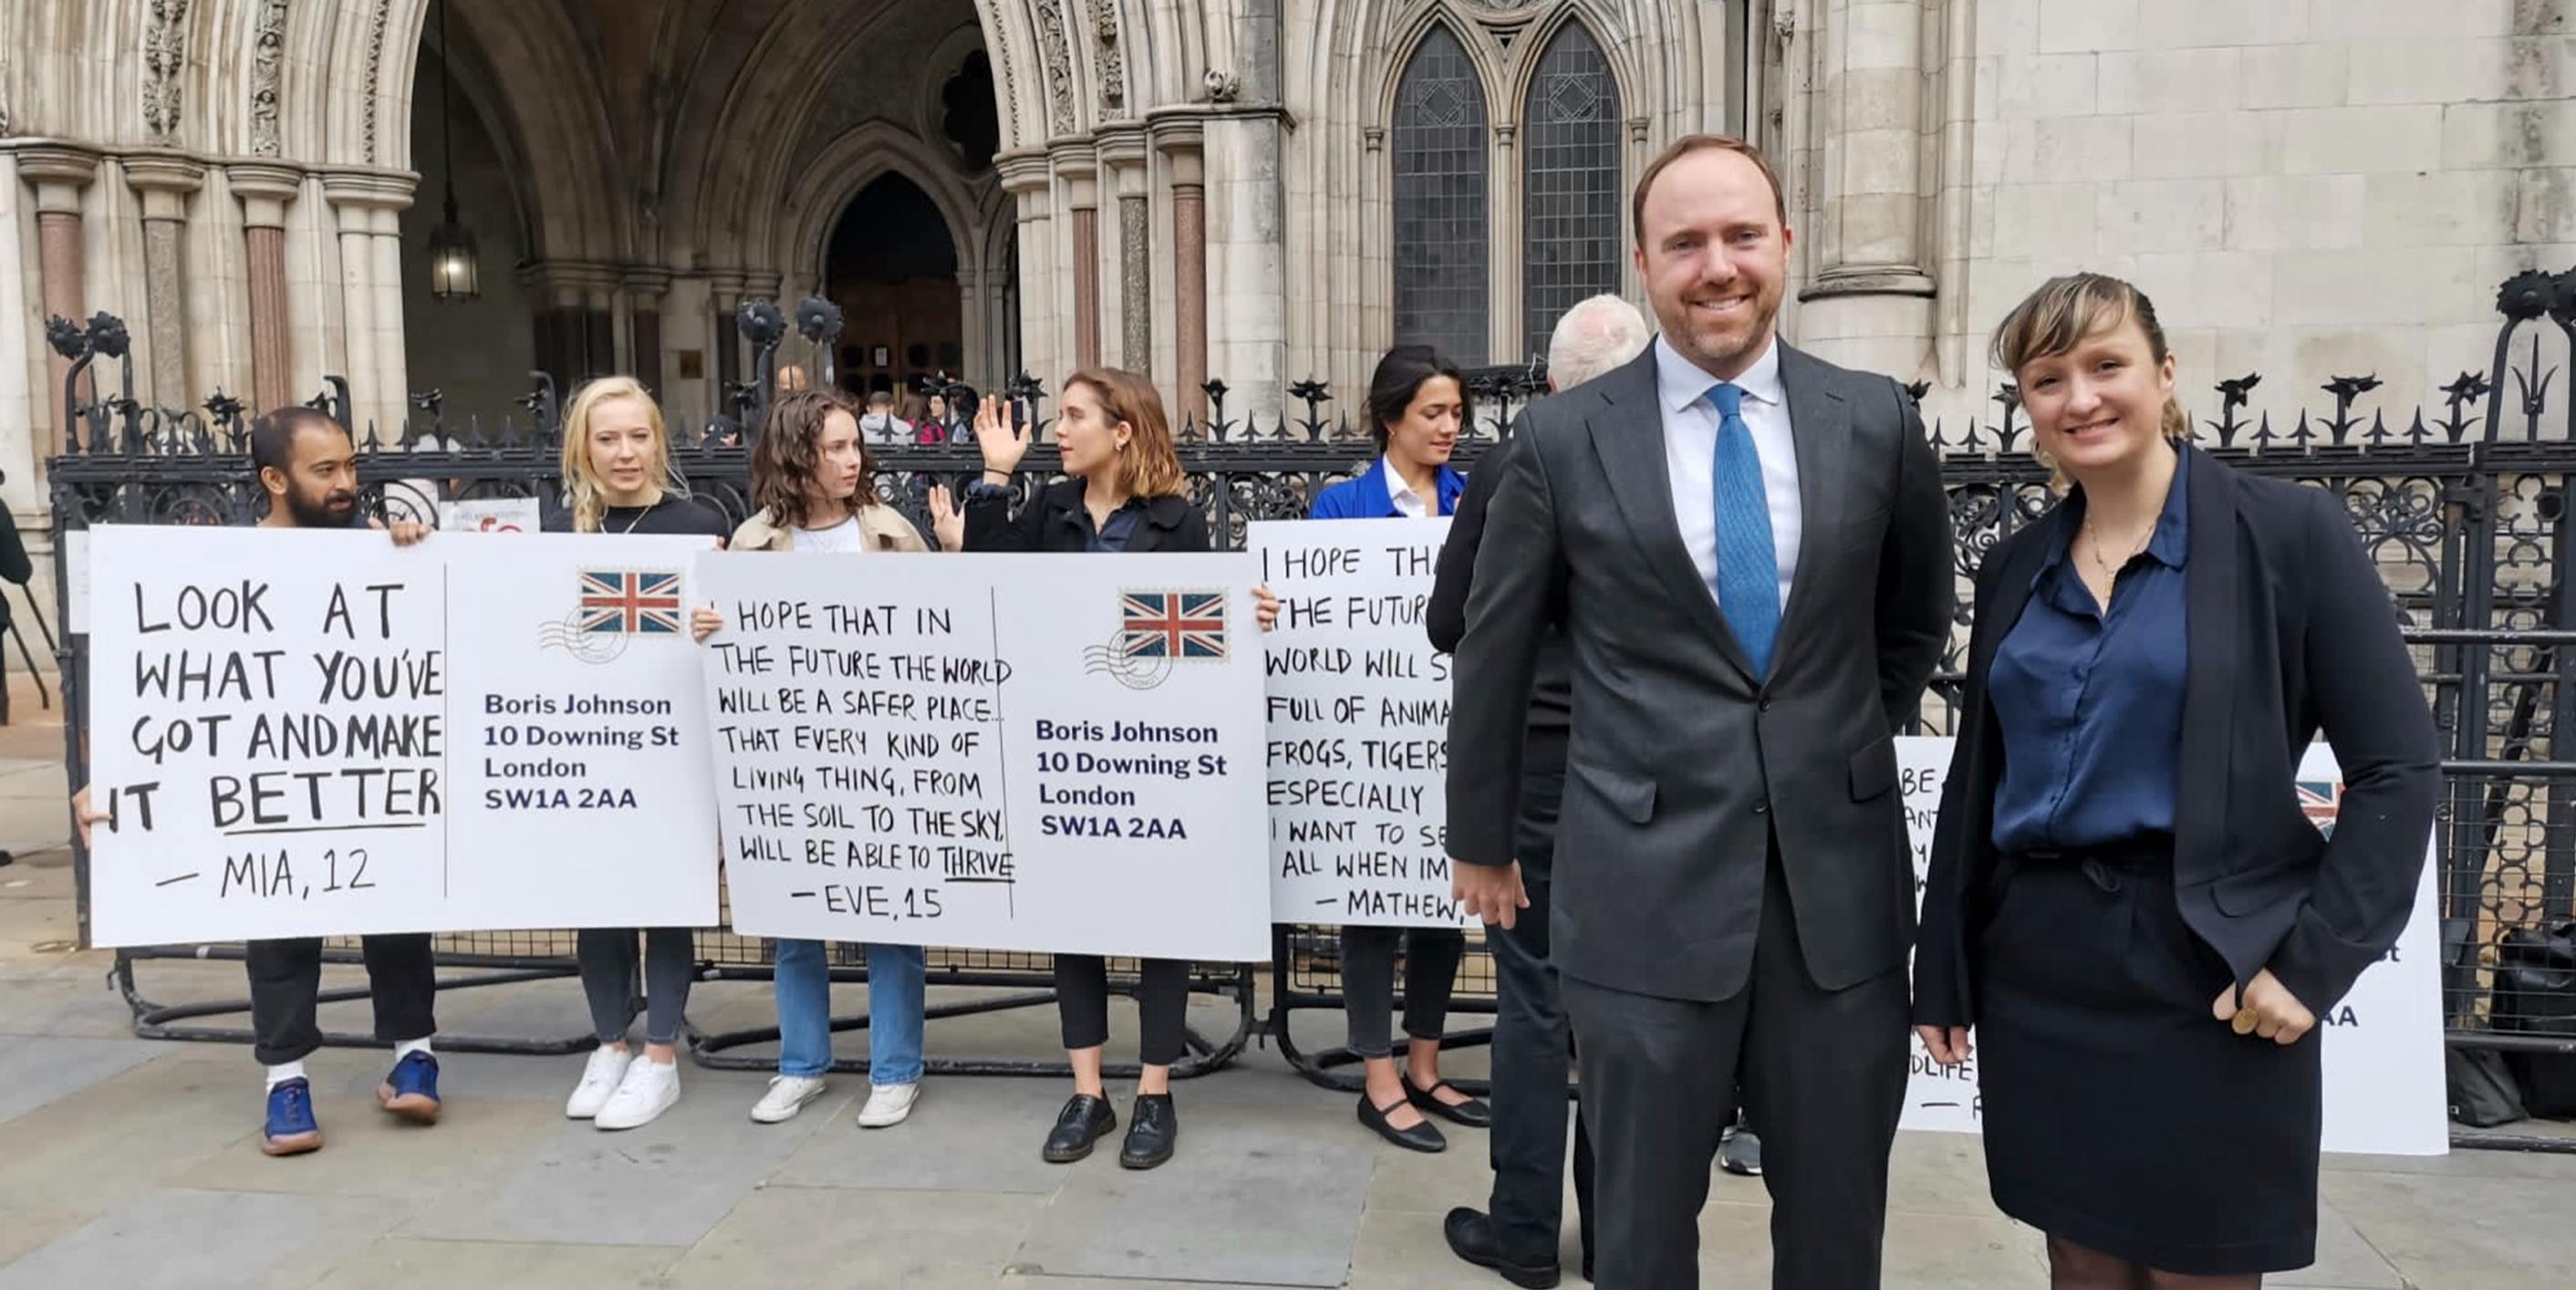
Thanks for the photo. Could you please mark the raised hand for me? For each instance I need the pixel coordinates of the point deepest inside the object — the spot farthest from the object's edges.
(947, 523)
(1002, 442)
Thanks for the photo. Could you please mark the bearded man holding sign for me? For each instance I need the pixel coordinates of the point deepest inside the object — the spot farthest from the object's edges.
(308, 468)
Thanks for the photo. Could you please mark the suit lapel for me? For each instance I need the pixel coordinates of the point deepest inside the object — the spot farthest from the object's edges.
(1820, 426)
(2210, 611)
(1628, 436)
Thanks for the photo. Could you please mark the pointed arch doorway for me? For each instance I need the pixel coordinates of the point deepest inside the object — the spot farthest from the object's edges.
(892, 267)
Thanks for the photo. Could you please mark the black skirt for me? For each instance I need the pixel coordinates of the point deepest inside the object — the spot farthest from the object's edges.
(2118, 1113)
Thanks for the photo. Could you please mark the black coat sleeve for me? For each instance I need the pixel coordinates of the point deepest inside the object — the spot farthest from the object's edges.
(2362, 690)
(1446, 616)
(1518, 589)
(1916, 593)
(990, 526)
(1942, 996)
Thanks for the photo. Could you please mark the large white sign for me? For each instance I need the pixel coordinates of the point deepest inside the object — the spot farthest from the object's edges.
(1358, 723)
(307, 734)
(2383, 1043)
(1016, 752)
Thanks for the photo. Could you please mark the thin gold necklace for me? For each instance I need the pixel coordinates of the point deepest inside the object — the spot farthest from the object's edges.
(2109, 572)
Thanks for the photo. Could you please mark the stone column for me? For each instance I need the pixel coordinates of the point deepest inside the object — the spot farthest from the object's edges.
(165, 182)
(59, 174)
(367, 205)
(971, 357)
(1026, 178)
(1180, 148)
(644, 290)
(1867, 299)
(725, 294)
(1081, 176)
(264, 190)
(1124, 153)
(1503, 326)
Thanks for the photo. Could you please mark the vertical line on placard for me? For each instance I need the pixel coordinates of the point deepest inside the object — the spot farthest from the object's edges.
(1002, 748)
(446, 722)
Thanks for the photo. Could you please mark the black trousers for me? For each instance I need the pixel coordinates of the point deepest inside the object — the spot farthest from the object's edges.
(1533, 1052)
(1162, 1005)
(286, 985)
(1823, 1073)
(1431, 956)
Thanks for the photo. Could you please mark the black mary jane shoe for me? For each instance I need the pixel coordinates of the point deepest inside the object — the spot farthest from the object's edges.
(1084, 1121)
(1472, 1113)
(1471, 1237)
(1424, 1137)
(1153, 1128)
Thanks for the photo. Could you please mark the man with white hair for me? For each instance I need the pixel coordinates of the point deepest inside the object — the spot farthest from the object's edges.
(1517, 1236)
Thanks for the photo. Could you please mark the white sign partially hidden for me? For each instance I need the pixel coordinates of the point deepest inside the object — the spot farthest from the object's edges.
(1013, 752)
(2384, 1090)
(489, 515)
(310, 734)
(1358, 723)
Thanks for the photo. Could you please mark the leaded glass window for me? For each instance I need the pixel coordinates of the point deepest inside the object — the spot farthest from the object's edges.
(1442, 277)
(1570, 217)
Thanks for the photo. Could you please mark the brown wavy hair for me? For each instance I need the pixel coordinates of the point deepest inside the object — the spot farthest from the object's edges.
(782, 457)
(1148, 467)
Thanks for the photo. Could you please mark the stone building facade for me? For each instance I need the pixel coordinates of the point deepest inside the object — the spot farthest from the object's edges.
(1259, 190)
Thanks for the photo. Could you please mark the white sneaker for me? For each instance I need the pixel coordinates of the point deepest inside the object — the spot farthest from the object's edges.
(649, 1089)
(787, 1095)
(888, 1104)
(599, 1079)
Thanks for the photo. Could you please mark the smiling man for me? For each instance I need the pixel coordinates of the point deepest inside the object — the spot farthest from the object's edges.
(1748, 550)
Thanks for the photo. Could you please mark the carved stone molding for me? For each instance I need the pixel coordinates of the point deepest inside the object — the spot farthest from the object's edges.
(1000, 56)
(165, 68)
(267, 70)
(375, 69)
(1111, 62)
(1058, 55)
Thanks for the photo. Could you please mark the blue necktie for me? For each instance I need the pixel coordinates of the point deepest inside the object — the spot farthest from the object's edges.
(1748, 567)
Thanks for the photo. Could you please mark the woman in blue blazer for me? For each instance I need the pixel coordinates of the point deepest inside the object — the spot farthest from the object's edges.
(2125, 899)
(1417, 406)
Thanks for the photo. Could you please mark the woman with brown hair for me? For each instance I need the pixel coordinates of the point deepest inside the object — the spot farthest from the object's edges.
(2125, 899)
(1125, 491)
(618, 478)
(813, 482)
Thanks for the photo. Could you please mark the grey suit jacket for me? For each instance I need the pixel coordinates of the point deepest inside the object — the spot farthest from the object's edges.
(1682, 767)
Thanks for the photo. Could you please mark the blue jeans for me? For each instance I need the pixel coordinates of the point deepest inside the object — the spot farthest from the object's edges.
(804, 982)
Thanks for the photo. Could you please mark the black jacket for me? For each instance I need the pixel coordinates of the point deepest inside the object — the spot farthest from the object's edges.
(1551, 697)
(1053, 521)
(2290, 631)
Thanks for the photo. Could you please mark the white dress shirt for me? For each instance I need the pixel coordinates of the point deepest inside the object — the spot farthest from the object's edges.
(1690, 455)
(1401, 493)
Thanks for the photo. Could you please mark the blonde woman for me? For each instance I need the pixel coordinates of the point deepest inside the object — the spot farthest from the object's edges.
(814, 484)
(2125, 900)
(618, 478)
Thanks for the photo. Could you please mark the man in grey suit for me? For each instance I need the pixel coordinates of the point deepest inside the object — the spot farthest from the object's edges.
(1748, 551)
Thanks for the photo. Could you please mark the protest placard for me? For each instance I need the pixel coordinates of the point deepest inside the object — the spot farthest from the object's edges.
(1014, 752)
(2382, 1043)
(1357, 719)
(302, 733)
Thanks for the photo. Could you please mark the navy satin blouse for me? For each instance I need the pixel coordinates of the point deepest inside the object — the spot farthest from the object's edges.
(2090, 703)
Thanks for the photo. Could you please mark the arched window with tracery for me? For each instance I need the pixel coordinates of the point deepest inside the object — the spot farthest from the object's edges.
(1570, 182)
(1440, 143)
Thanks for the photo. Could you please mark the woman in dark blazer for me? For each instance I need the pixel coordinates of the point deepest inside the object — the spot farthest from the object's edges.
(1417, 406)
(1125, 491)
(2125, 900)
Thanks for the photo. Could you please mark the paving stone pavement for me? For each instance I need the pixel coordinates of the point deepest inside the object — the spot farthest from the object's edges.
(134, 1164)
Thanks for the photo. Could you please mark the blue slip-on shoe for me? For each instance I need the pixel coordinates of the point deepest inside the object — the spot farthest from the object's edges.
(411, 1089)
(290, 1130)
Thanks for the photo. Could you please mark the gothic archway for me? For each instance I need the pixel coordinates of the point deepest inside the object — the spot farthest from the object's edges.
(892, 267)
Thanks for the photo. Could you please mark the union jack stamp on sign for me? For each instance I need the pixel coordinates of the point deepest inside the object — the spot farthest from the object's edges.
(630, 603)
(1183, 625)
